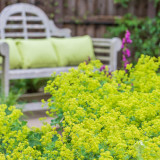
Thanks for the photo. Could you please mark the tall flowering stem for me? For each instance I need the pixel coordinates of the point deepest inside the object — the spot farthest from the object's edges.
(125, 50)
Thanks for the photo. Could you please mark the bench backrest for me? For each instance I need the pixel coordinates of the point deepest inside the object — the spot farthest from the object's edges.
(24, 20)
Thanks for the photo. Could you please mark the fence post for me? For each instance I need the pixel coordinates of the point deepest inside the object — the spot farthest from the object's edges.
(151, 9)
(2, 4)
(58, 12)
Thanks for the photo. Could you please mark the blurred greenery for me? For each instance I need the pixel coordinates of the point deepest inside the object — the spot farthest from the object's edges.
(145, 32)
(22, 86)
(28, 85)
(10, 100)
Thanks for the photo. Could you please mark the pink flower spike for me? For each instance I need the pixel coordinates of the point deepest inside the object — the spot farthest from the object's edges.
(129, 41)
(123, 40)
(128, 33)
(125, 64)
(128, 52)
(127, 37)
(124, 58)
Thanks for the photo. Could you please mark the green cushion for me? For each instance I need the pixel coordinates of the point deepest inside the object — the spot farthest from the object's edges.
(14, 56)
(72, 51)
(37, 53)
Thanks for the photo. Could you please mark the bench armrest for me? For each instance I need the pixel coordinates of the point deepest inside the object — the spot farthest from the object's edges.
(107, 50)
(4, 52)
(55, 31)
(115, 48)
(4, 49)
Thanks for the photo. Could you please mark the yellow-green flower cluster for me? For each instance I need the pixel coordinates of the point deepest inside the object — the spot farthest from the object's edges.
(18, 142)
(107, 116)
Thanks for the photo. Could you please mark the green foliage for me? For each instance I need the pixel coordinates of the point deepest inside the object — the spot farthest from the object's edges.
(11, 99)
(144, 33)
(28, 85)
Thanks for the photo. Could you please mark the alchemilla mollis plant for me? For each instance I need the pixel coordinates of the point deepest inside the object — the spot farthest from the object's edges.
(103, 116)
(108, 116)
(18, 142)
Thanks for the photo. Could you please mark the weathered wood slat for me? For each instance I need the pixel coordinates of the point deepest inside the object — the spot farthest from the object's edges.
(70, 11)
(81, 7)
(20, 18)
(21, 34)
(102, 50)
(33, 18)
(14, 26)
(81, 30)
(99, 40)
(100, 31)
(37, 34)
(91, 7)
(35, 26)
(97, 19)
(58, 14)
(102, 44)
(90, 29)
(18, 34)
(34, 106)
(103, 58)
(15, 18)
(102, 4)
(2, 4)
(71, 8)
(36, 73)
(29, 26)
(110, 7)
(30, 97)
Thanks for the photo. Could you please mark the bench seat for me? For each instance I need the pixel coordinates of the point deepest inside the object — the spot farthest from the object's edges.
(35, 73)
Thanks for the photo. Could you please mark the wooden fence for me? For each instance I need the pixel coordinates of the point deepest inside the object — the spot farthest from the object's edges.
(87, 16)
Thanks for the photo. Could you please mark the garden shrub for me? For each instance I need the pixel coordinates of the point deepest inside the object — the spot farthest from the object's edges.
(108, 115)
(102, 115)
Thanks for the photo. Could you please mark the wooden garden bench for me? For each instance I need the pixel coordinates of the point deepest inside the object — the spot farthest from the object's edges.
(22, 13)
